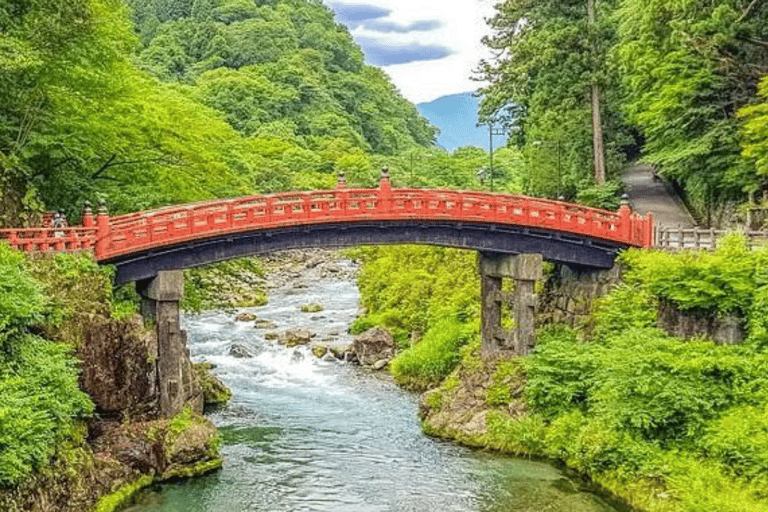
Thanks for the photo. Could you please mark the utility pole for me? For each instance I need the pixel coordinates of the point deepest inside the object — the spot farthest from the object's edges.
(597, 123)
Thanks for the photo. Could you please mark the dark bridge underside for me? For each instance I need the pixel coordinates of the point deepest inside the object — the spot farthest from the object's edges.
(553, 245)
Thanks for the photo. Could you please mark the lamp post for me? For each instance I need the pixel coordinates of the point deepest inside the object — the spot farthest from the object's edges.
(491, 133)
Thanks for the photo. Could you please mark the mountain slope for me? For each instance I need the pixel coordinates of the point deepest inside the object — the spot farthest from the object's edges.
(456, 116)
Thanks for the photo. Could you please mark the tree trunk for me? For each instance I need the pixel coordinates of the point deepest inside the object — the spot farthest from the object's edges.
(597, 123)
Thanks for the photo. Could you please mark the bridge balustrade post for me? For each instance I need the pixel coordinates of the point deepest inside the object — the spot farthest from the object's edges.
(102, 231)
(625, 213)
(525, 269)
(160, 297)
(86, 218)
(385, 191)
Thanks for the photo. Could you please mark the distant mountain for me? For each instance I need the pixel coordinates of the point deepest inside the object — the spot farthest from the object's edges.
(456, 116)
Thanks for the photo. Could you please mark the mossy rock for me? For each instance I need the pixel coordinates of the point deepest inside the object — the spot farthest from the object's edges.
(319, 350)
(314, 307)
(214, 391)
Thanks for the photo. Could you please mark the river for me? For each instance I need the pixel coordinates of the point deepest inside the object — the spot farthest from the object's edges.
(303, 434)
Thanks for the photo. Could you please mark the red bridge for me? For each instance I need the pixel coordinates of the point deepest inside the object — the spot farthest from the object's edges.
(141, 243)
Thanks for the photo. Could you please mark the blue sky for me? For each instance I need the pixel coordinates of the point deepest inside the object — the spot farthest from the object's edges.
(428, 47)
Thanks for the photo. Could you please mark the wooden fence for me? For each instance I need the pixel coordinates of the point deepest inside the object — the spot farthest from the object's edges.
(679, 238)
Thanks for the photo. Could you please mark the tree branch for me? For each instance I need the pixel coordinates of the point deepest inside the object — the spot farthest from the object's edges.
(747, 11)
(111, 163)
(104, 167)
(752, 40)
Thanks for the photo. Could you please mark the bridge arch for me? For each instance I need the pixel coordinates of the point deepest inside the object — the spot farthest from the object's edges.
(484, 237)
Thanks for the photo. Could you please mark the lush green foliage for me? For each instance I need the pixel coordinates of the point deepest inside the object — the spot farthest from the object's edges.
(687, 67)
(673, 77)
(730, 281)
(411, 288)
(40, 401)
(223, 99)
(550, 55)
(426, 294)
(671, 425)
(427, 363)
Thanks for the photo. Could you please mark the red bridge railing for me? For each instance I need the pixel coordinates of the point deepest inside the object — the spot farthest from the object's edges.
(137, 232)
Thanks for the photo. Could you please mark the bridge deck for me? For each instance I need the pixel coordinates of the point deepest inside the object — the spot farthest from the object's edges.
(136, 235)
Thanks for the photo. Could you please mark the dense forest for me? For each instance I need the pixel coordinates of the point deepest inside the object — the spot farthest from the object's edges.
(159, 102)
(681, 84)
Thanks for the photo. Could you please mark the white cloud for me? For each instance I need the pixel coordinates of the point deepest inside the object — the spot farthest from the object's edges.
(460, 30)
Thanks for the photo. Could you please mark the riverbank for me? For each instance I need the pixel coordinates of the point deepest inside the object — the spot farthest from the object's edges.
(80, 423)
(666, 424)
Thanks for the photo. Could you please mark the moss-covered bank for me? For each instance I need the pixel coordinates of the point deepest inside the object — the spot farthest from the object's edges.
(80, 427)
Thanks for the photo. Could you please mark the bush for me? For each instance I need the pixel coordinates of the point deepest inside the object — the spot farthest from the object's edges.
(434, 357)
(40, 401)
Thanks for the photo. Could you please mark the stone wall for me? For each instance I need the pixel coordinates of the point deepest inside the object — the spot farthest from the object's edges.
(693, 324)
(570, 291)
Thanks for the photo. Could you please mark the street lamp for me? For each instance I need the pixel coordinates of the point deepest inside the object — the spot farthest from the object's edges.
(491, 133)
(481, 175)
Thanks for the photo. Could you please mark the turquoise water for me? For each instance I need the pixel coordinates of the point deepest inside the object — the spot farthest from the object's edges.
(301, 434)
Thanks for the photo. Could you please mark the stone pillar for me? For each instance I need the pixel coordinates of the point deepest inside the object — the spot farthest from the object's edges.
(525, 269)
(528, 270)
(160, 298)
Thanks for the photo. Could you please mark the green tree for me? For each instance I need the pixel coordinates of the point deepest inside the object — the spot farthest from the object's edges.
(687, 67)
(551, 55)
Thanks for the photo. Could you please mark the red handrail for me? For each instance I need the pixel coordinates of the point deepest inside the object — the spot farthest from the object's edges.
(173, 225)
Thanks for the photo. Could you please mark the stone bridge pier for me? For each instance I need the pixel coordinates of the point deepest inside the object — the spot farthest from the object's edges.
(525, 270)
(160, 297)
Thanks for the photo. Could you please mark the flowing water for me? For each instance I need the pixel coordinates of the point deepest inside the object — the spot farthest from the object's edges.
(303, 434)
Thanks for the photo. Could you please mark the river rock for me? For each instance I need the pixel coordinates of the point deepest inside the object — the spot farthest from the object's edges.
(341, 352)
(297, 356)
(214, 391)
(294, 337)
(374, 345)
(319, 350)
(263, 323)
(239, 351)
(271, 335)
(314, 307)
(245, 317)
(380, 364)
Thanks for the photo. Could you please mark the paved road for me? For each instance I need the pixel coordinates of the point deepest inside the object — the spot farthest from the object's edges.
(647, 194)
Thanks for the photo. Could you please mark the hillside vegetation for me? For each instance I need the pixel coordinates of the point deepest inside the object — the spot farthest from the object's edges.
(169, 101)
(682, 85)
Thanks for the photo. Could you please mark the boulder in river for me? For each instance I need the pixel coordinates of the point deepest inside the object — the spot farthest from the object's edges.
(294, 337)
(314, 307)
(374, 345)
(341, 352)
(245, 317)
(263, 323)
(215, 392)
(380, 364)
(319, 350)
(240, 351)
(272, 335)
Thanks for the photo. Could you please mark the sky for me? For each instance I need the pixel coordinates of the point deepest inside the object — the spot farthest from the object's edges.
(429, 48)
